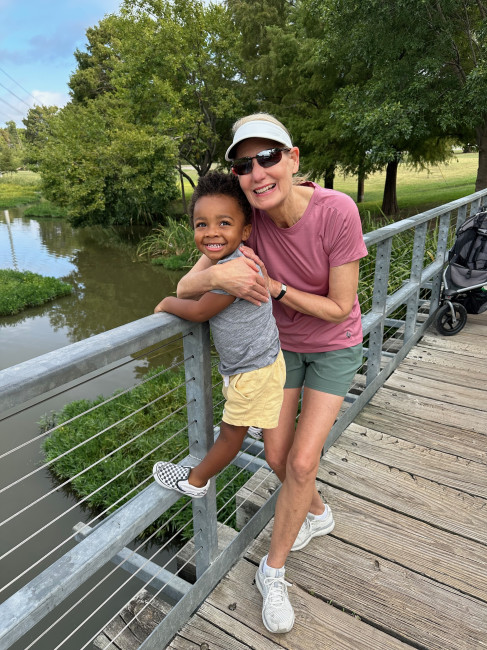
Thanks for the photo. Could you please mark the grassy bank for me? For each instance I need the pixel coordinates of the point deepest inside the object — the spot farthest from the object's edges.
(116, 476)
(19, 188)
(22, 289)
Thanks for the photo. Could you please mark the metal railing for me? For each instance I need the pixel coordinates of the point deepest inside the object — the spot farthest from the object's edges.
(404, 268)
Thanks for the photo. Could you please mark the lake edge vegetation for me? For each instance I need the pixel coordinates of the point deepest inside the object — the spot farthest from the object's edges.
(23, 289)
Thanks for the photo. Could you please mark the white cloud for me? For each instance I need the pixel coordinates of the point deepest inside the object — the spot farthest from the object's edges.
(47, 98)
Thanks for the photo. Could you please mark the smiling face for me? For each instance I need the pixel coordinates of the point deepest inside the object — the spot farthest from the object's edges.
(268, 188)
(219, 226)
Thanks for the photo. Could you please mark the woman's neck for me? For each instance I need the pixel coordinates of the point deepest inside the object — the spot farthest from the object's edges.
(291, 211)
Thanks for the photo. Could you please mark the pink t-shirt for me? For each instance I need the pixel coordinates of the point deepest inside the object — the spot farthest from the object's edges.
(328, 234)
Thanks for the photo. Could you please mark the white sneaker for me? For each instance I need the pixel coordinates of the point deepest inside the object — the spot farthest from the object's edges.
(255, 432)
(175, 477)
(313, 528)
(277, 612)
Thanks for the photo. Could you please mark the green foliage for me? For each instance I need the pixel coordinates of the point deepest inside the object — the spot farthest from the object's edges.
(154, 429)
(171, 245)
(11, 148)
(37, 132)
(21, 289)
(45, 209)
(104, 169)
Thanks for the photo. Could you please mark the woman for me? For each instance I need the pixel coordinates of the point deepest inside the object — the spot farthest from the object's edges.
(308, 242)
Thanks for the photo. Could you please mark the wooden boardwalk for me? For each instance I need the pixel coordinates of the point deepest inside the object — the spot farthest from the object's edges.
(406, 566)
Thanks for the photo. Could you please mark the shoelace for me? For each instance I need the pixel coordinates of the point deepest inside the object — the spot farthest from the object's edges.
(277, 589)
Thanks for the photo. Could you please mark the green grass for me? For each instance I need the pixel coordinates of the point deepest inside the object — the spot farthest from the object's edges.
(19, 188)
(22, 289)
(418, 191)
(134, 462)
(45, 209)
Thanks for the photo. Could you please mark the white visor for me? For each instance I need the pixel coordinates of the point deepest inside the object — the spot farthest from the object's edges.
(258, 129)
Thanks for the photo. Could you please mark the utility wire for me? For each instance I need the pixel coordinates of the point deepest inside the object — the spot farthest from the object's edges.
(16, 82)
(16, 96)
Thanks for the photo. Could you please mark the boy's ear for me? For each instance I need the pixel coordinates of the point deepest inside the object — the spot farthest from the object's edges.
(246, 231)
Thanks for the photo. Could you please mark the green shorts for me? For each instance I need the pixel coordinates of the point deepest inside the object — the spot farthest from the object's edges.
(329, 372)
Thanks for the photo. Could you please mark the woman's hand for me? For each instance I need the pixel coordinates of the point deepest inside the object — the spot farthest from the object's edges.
(240, 278)
(273, 286)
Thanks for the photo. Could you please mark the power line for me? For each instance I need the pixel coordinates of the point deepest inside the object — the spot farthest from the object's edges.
(10, 105)
(16, 96)
(16, 82)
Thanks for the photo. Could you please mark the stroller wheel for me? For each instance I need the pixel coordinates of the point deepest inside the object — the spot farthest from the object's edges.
(445, 323)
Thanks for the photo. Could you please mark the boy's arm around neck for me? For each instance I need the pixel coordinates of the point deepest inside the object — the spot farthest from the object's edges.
(197, 311)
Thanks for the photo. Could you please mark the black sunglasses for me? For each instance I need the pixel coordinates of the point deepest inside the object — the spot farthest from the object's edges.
(267, 158)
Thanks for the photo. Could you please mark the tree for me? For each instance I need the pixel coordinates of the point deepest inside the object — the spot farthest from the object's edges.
(173, 62)
(104, 168)
(37, 132)
(423, 79)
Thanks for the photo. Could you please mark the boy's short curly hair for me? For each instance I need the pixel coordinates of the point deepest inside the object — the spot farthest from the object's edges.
(218, 183)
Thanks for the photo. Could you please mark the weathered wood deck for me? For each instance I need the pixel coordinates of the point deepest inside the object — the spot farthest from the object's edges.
(406, 565)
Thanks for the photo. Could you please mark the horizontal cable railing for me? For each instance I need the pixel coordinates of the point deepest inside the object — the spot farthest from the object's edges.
(85, 528)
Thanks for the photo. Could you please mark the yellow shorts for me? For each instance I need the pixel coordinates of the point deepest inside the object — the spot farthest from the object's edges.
(255, 398)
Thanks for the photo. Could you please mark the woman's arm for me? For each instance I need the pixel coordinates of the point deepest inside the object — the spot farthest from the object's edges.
(335, 307)
(238, 277)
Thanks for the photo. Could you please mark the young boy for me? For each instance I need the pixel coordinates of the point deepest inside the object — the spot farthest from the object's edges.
(245, 336)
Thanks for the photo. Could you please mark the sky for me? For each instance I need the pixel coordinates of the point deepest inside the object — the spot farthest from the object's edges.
(37, 43)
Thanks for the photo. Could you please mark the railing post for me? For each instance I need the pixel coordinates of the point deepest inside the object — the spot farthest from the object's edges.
(443, 231)
(415, 276)
(379, 298)
(200, 432)
(461, 217)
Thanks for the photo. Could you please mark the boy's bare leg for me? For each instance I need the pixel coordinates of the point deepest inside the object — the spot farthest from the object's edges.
(224, 450)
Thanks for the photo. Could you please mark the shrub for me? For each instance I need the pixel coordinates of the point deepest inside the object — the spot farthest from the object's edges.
(98, 483)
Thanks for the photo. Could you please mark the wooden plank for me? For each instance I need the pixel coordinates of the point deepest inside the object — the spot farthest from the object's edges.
(451, 440)
(445, 557)
(408, 605)
(437, 389)
(134, 624)
(468, 346)
(445, 469)
(404, 492)
(467, 369)
(235, 606)
(429, 409)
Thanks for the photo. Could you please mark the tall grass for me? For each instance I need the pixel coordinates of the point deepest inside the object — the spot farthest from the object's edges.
(19, 188)
(170, 245)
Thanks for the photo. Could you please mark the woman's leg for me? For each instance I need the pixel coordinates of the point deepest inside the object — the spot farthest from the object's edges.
(298, 492)
(226, 447)
(279, 441)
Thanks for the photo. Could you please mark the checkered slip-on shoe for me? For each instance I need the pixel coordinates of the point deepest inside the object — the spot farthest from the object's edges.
(175, 477)
(255, 432)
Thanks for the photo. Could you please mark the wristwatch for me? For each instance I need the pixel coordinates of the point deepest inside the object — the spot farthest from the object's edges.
(282, 292)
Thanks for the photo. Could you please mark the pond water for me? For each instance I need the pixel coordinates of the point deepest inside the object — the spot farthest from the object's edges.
(111, 288)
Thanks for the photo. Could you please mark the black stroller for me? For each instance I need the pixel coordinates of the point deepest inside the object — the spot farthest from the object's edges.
(464, 289)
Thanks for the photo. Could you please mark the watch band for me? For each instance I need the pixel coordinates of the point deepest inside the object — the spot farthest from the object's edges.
(282, 292)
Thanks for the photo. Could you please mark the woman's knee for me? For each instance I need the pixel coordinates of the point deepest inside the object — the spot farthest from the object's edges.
(302, 467)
